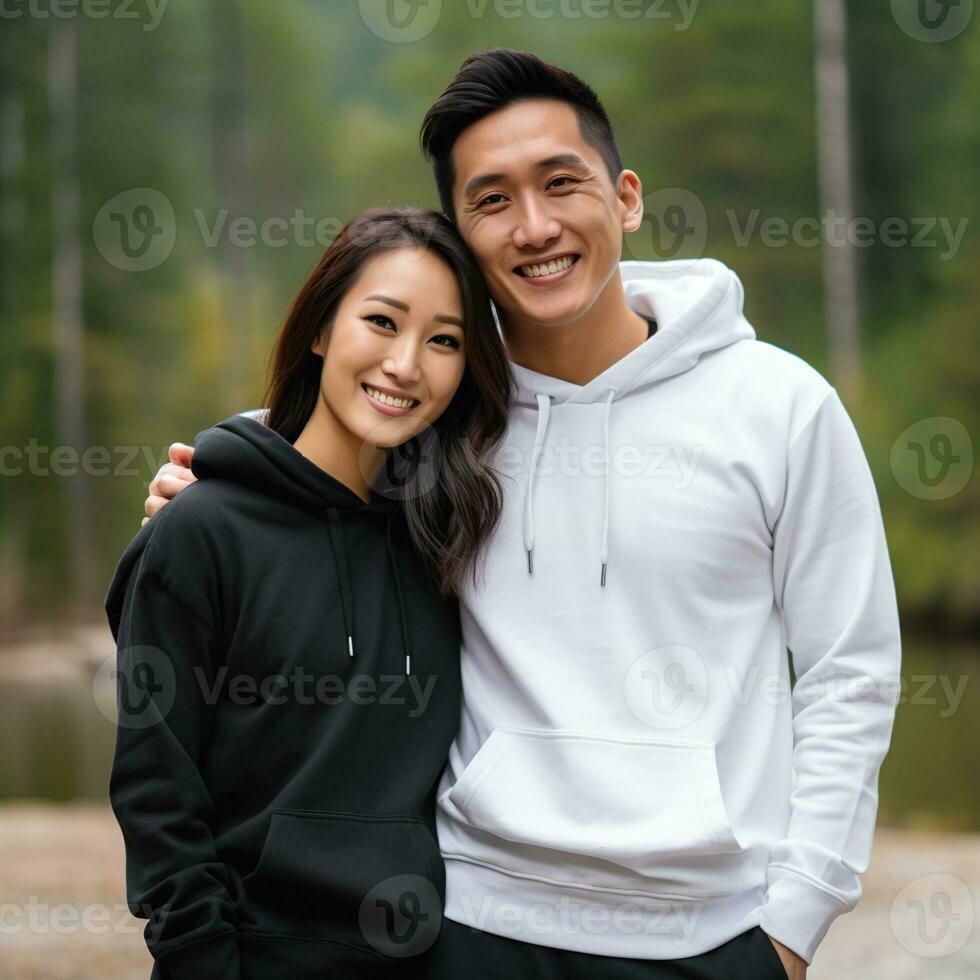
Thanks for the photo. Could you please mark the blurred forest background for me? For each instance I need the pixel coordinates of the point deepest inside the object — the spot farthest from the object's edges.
(168, 177)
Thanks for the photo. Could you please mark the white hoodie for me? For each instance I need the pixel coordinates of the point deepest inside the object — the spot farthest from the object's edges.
(633, 775)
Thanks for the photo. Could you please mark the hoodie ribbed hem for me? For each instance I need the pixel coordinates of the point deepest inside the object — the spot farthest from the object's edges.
(209, 959)
(601, 923)
(799, 914)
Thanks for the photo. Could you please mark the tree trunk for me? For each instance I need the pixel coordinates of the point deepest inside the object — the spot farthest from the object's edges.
(229, 150)
(840, 279)
(66, 304)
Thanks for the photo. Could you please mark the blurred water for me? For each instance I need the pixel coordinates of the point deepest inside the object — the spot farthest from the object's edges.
(57, 734)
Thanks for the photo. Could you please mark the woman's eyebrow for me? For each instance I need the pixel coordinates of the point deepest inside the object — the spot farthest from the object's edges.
(387, 299)
(398, 304)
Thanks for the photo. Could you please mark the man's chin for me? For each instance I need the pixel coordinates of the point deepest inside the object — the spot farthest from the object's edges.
(545, 314)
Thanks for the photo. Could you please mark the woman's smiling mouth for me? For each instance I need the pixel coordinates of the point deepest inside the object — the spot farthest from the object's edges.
(388, 404)
(545, 273)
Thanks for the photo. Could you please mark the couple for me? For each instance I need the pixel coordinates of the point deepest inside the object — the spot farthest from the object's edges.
(572, 566)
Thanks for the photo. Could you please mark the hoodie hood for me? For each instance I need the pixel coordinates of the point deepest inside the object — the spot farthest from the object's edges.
(245, 450)
(697, 304)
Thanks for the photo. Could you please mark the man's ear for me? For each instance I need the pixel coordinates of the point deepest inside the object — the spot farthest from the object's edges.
(629, 190)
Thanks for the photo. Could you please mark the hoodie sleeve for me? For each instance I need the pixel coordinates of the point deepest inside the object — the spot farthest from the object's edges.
(833, 583)
(166, 653)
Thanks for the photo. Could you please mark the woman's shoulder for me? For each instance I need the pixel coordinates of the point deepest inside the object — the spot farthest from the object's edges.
(178, 549)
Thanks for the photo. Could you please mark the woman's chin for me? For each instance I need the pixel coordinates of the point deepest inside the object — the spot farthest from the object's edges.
(389, 433)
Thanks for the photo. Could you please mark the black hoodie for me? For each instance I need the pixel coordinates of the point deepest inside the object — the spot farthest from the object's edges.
(288, 692)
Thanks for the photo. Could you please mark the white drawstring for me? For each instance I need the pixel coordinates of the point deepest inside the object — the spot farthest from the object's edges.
(604, 547)
(544, 410)
(544, 407)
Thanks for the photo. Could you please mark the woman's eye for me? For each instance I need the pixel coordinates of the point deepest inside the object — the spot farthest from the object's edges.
(375, 317)
(453, 342)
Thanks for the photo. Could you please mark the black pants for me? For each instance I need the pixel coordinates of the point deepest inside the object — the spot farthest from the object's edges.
(462, 953)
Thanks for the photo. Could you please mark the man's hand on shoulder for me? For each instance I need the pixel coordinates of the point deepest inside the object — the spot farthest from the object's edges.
(170, 480)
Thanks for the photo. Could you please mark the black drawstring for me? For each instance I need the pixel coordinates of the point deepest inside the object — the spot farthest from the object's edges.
(346, 589)
(401, 604)
(343, 574)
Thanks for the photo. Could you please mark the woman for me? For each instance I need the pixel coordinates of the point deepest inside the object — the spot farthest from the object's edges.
(288, 633)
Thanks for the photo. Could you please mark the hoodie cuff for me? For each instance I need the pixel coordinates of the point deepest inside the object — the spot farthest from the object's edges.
(210, 959)
(799, 914)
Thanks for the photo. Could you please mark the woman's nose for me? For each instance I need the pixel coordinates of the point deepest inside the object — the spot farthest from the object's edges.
(403, 362)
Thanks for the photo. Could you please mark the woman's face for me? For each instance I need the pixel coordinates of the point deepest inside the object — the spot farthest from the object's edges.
(394, 354)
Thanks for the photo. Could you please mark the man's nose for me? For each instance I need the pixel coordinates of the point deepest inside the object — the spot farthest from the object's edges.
(536, 226)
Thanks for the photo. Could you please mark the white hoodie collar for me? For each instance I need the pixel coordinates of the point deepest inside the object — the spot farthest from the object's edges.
(698, 307)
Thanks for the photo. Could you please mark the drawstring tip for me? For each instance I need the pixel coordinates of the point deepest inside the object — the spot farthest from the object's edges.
(350, 645)
(530, 564)
(408, 663)
(603, 582)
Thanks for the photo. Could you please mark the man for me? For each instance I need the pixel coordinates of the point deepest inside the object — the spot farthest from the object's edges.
(634, 790)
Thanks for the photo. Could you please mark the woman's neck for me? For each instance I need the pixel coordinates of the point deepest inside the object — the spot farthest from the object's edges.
(332, 447)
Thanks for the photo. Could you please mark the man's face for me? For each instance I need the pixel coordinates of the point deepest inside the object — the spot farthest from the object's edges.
(528, 190)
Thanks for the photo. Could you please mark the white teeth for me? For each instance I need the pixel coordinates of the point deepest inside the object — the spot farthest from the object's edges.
(388, 400)
(548, 268)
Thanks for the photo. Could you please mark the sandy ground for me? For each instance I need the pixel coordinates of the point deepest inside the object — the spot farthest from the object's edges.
(63, 913)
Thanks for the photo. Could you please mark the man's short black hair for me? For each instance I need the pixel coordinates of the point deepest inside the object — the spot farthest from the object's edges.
(491, 80)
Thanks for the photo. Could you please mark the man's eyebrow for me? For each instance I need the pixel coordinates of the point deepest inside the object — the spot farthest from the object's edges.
(440, 317)
(558, 160)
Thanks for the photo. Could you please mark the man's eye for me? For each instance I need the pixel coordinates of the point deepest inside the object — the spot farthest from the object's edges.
(556, 179)
(375, 317)
(488, 199)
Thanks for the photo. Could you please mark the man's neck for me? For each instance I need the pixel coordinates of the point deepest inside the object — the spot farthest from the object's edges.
(581, 350)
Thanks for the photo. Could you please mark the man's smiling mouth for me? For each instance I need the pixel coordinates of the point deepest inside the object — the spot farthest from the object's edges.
(547, 269)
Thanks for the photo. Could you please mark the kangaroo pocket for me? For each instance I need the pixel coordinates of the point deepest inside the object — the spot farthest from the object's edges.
(653, 807)
(368, 881)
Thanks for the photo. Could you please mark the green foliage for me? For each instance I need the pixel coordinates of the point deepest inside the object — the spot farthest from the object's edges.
(269, 109)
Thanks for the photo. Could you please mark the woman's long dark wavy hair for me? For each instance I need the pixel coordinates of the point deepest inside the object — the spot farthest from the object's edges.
(451, 520)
